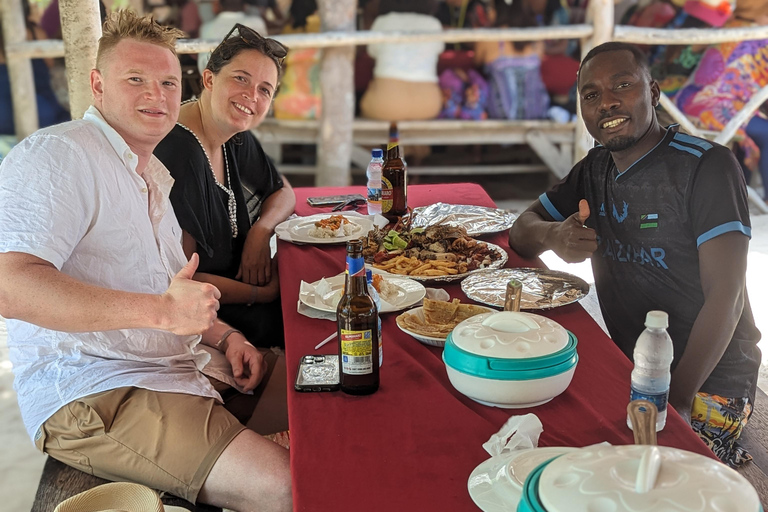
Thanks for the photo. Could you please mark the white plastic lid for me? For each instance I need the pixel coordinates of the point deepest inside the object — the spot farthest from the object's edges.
(626, 479)
(657, 320)
(510, 335)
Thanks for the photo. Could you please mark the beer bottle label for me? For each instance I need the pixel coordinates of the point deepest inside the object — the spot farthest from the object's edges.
(357, 352)
(387, 193)
(355, 267)
(392, 143)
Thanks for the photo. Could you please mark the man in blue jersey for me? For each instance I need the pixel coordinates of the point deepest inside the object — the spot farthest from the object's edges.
(664, 218)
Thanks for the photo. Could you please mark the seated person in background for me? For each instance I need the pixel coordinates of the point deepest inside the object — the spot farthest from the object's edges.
(270, 11)
(404, 84)
(664, 217)
(513, 68)
(227, 194)
(104, 320)
(186, 17)
(560, 61)
(229, 13)
(300, 96)
(725, 79)
(463, 14)
(49, 110)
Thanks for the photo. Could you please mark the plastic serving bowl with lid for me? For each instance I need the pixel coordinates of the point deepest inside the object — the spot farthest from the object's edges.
(636, 478)
(510, 359)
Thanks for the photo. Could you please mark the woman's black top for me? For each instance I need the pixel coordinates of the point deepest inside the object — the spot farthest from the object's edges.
(202, 207)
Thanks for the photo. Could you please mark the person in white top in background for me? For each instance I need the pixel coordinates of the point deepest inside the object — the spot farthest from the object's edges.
(404, 84)
(104, 320)
(230, 12)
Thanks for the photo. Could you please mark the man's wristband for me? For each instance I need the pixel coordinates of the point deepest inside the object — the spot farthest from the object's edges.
(224, 337)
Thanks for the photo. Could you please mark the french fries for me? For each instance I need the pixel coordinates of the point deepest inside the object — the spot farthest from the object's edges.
(404, 265)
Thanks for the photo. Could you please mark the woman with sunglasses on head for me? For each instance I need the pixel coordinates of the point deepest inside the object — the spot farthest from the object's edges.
(228, 195)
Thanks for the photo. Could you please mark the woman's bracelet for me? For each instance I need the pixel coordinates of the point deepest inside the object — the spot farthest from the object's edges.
(254, 295)
(224, 337)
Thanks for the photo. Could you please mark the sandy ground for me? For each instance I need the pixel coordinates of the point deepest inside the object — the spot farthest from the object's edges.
(21, 464)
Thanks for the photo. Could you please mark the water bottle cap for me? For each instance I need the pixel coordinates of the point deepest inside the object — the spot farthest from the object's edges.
(657, 320)
(368, 275)
(377, 153)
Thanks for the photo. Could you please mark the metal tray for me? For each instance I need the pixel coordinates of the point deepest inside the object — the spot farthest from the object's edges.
(478, 220)
(542, 288)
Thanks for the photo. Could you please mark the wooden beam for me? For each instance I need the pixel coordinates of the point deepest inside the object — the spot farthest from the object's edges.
(453, 170)
(337, 88)
(705, 36)
(558, 161)
(19, 71)
(81, 30)
(335, 39)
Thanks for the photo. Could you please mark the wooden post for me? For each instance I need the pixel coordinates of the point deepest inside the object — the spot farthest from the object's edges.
(81, 30)
(19, 70)
(601, 14)
(334, 148)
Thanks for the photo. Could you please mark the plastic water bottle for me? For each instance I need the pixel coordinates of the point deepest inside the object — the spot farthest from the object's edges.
(374, 181)
(377, 300)
(653, 356)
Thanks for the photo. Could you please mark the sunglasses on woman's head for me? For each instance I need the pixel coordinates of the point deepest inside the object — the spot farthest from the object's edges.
(257, 41)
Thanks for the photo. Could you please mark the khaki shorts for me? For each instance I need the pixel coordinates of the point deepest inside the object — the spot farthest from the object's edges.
(166, 441)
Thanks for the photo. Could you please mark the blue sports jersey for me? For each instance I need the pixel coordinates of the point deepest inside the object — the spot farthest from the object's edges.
(650, 221)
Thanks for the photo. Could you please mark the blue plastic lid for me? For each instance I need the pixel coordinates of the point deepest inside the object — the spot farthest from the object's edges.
(377, 153)
(511, 369)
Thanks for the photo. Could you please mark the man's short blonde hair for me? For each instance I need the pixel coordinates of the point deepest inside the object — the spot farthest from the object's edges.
(126, 24)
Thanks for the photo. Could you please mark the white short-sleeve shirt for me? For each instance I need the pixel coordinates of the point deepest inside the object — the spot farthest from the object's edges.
(411, 62)
(69, 194)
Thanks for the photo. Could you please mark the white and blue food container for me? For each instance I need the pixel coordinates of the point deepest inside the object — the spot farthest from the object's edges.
(510, 359)
(636, 478)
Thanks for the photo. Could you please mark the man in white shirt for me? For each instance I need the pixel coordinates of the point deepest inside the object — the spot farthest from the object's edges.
(104, 320)
(231, 13)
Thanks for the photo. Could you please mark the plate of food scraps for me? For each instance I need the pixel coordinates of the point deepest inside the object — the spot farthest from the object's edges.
(324, 228)
(397, 293)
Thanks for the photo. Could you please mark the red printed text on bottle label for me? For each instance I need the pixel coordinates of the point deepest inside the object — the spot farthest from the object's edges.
(357, 352)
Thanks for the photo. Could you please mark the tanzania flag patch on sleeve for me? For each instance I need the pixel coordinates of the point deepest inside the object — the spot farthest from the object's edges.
(649, 220)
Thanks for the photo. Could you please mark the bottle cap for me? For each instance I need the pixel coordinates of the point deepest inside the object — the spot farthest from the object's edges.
(368, 275)
(377, 153)
(657, 320)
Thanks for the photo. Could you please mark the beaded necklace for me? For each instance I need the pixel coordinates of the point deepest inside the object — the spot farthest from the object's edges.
(231, 202)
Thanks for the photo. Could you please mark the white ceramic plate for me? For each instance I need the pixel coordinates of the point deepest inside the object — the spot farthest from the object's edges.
(427, 340)
(499, 263)
(297, 230)
(410, 292)
(496, 485)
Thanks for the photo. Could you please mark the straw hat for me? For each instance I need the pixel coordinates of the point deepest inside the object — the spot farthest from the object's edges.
(114, 497)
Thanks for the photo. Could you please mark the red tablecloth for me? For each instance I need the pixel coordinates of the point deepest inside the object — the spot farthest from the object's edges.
(413, 444)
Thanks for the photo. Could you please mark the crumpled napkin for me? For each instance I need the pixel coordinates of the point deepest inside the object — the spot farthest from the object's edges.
(437, 294)
(306, 290)
(323, 288)
(518, 433)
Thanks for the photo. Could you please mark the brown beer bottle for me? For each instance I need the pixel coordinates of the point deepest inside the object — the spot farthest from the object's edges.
(358, 328)
(394, 179)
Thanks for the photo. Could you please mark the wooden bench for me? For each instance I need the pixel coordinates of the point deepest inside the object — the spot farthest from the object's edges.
(552, 142)
(60, 482)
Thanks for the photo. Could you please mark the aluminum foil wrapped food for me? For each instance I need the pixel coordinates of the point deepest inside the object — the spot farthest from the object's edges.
(478, 220)
(542, 288)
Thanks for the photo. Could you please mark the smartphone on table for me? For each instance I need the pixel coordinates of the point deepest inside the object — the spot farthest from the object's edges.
(334, 200)
(318, 373)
